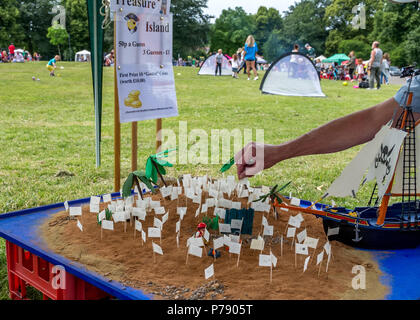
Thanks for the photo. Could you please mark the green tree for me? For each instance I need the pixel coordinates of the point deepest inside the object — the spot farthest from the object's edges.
(275, 46)
(35, 18)
(191, 26)
(77, 25)
(58, 36)
(304, 23)
(231, 29)
(10, 28)
(361, 48)
(266, 22)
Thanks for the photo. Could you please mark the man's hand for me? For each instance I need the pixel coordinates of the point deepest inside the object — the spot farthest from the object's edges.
(254, 158)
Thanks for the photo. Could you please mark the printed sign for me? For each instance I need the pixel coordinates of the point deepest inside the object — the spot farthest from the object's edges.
(145, 79)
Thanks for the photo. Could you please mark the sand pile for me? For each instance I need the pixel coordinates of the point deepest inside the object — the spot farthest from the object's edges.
(121, 257)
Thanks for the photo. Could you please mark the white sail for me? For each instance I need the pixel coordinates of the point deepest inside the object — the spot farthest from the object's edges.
(385, 160)
(398, 179)
(348, 182)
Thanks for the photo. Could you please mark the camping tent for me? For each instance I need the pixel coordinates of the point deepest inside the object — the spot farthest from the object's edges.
(338, 58)
(82, 56)
(293, 74)
(320, 58)
(209, 66)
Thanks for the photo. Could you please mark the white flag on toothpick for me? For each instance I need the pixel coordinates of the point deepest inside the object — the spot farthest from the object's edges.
(197, 212)
(139, 212)
(236, 224)
(264, 221)
(195, 251)
(273, 259)
(218, 243)
(301, 236)
(301, 249)
(107, 225)
(224, 228)
(305, 266)
(333, 231)
(209, 272)
(107, 197)
(268, 231)
(143, 235)
(157, 248)
(79, 225)
(291, 232)
(165, 217)
(235, 248)
(327, 248)
(157, 223)
(319, 258)
(66, 205)
(153, 232)
(94, 208)
(138, 226)
(221, 212)
(295, 202)
(75, 211)
(264, 260)
(257, 244)
(294, 222)
(177, 226)
(159, 210)
(311, 242)
(206, 235)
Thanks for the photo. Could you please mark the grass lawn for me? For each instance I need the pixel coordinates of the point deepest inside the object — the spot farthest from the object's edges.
(48, 126)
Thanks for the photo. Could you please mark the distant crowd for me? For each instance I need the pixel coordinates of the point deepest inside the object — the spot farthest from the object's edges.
(17, 55)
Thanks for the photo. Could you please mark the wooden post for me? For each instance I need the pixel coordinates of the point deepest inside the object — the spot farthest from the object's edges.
(117, 125)
(134, 144)
(158, 134)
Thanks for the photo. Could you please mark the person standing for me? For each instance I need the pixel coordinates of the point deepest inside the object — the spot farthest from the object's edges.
(251, 50)
(235, 65)
(311, 51)
(52, 64)
(11, 51)
(219, 61)
(351, 64)
(375, 66)
(386, 62)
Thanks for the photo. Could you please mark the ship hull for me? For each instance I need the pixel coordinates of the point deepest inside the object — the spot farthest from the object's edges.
(373, 237)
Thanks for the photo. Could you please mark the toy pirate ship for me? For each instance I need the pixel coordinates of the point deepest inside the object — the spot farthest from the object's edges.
(391, 158)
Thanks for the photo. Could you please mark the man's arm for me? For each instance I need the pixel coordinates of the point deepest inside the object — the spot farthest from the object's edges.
(336, 135)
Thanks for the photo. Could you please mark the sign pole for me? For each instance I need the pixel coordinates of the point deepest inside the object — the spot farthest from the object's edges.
(158, 134)
(117, 125)
(134, 145)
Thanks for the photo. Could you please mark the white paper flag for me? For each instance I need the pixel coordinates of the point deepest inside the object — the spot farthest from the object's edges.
(206, 235)
(181, 211)
(236, 224)
(153, 232)
(159, 210)
(305, 266)
(108, 225)
(264, 221)
(327, 248)
(294, 222)
(319, 258)
(157, 223)
(195, 251)
(236, 205)
(291, 232)
(301, 236)
(94, 208)
(119, 217)
(268, 231)
(154, 204)
(79, 225)
(139, 212)
(302, 249)
(264, 260)
(166, 191)
(66, 205)
(210, 202)
(224, 228)
(257, 244)
(299, 217)
(311, 242)
(101, 215)
(221, 212)
(273, 259)
(234, 238)
(177, 226)
(295, 202)
(139, 226)
(174, 194)
(209, 272)
(95, 200)
(143, 235)
(218, 243)
(75, 211)
(157, 248)
(107, 197)
(165, 217)
(333, 231)
(204, 208)
(235, 248)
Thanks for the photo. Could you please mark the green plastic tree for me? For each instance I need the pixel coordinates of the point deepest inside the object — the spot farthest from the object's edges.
(155, 166)
(227, 165)
(133, 178)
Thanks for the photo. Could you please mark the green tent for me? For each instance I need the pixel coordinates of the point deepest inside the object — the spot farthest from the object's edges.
(338, 57)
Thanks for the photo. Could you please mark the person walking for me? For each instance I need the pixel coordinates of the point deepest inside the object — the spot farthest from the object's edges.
(251, 50)
(310, 51)
(351, 64)
(386, 62)
(219, 61)
(375, 66)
